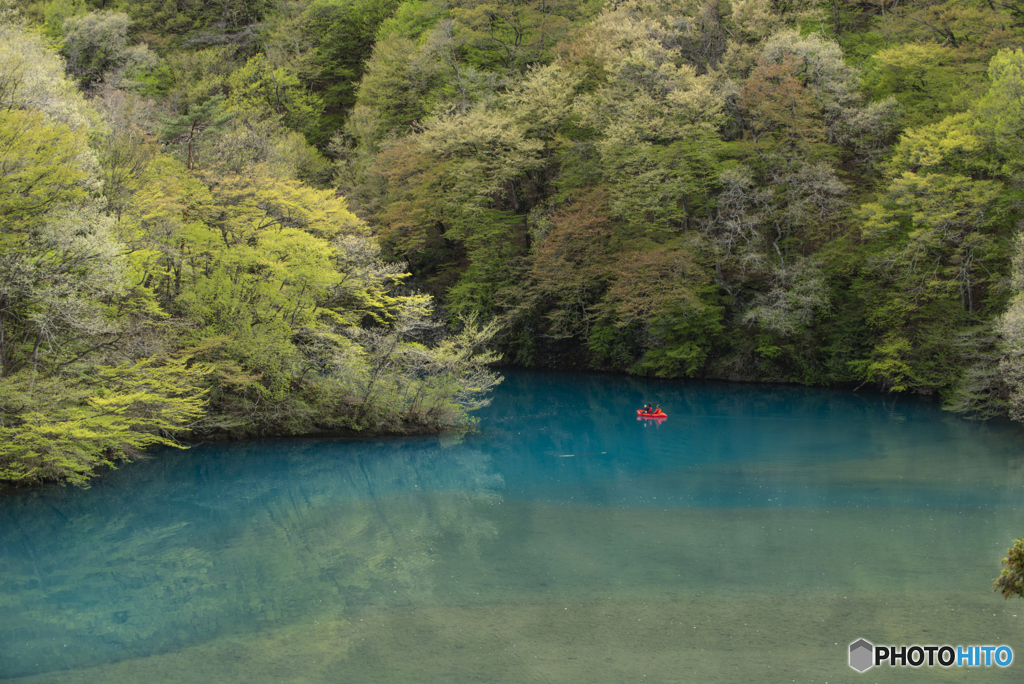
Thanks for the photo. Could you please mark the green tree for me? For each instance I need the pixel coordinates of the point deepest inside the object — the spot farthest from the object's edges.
(207, 21)
(947, 217)
(345, 32)
(1001, 111)
(923, 77)
(41, 166)
(65, 428)
(198, 122)
(258, 91)
(397, 84)
(32, 78)
(510, 35)
(96, 46)
(572, 265)
(127, 147)
(1011, 580)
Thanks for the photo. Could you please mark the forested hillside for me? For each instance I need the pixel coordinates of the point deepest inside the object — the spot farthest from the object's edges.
(814, 192)
(165, 266)
(237, 216)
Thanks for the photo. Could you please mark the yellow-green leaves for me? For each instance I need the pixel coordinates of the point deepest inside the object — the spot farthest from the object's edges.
(60, 428)
(921, 76)
(366, 282)
(259, 91)
(648, 95)
(487, 148)
(112, 274)
(41, 165)
(949, 145)
(944, 216)
(254, 201)
(1001, 111)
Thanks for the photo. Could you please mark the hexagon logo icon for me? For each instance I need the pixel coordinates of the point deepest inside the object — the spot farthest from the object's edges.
(862, 654)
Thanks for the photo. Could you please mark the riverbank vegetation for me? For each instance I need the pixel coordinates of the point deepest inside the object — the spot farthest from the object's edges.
(145, 295)
(285, 216)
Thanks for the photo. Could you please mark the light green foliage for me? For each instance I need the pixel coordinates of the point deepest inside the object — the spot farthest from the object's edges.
(1001, 111)
(688, 338)
(889, 365)
(940, 228)
(356, 171)
(66, 427)
(942, 218)
(168, 206)
(236, 118)
(397, 83)
(126, 148)
(59, 260)
(921, 76)
(930, 55)
(427, 385)
(259, 266)
(70, 401)
(274, 279)
(542, 102)
(291, 158)
(948, 146)
(60, 283)
(32, 78)
(758, 19)
(483, 161)
(486, 149)
(657, 119)
(258, 92)
(56, 12)
(198, 76)
(41, 165)
(256, 124)
(410, 19)
(429, 56)
(272, 289)
(994, 383)
(364, 290)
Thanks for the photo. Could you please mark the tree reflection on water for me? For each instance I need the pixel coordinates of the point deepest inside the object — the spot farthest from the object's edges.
(148, 561)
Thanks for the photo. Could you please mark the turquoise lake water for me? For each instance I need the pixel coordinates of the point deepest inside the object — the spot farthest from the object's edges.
(750, 537)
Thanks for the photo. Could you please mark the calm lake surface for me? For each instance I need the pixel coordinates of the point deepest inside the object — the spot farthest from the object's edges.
(748, 538)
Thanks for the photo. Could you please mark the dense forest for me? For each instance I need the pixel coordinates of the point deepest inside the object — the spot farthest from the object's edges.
(254, 217)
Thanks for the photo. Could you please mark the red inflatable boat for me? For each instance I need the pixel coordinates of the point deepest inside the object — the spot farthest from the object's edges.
(657, 414)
